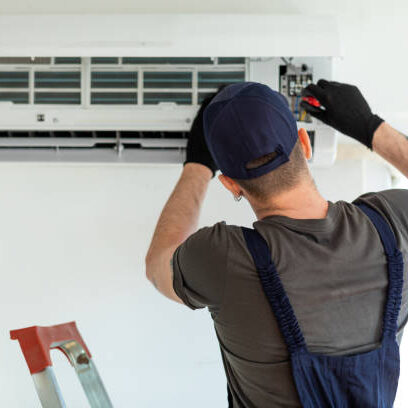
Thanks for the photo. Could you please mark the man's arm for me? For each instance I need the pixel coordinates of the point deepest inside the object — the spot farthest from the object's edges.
(179, 217)
(392, 146)
(344, 108)
(177, 222)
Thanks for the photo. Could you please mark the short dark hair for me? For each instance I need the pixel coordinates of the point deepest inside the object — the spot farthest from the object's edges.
(281, 179)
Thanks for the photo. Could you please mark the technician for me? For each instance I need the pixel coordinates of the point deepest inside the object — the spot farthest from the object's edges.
(308, 307)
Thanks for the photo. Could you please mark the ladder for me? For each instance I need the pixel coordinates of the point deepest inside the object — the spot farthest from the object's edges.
(36, 343)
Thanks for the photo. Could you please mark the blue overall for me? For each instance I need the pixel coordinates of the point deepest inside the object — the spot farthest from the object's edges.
(367, 380)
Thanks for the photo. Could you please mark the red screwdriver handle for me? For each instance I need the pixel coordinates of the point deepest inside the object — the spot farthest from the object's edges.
(312, 101)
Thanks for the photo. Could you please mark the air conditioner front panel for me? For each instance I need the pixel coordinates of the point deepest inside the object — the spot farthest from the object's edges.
(101, 155)
(138, 118)
(169, 35)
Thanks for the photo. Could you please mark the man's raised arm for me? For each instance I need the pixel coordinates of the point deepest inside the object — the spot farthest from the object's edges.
(179, 217)
(344, 108)
(392, 146)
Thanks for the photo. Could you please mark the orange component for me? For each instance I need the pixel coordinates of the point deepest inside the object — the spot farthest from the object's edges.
(37, 341)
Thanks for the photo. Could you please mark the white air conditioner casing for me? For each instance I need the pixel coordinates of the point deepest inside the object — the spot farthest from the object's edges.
(169, 35)
(261, 39)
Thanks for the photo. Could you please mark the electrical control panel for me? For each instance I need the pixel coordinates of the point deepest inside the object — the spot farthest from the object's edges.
(292, 80)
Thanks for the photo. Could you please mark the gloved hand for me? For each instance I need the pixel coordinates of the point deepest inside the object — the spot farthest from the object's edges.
(344, 108)
(197, 150)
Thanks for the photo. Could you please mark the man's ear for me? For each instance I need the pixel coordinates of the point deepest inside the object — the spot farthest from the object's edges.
(305, 142)
(230, 185)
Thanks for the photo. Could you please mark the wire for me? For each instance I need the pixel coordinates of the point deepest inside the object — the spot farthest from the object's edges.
(287, 61)
(297, 104)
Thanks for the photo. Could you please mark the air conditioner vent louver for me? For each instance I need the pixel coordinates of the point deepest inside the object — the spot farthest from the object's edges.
(167, 79)
(168, 60)
(215, 79)
(113, 98)
(10, 79)
(113, 108)
(50, 79)
(67, 60)
(104, 60)
(14, 97)
(25, 60)
(179, 98)
(110, 108)
(231, 60)
(115, 80)
(57, 98)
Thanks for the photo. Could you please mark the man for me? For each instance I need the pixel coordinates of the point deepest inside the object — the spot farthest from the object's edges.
(329, 256)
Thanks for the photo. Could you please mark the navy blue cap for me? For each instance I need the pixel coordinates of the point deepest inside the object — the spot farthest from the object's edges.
(246, 121)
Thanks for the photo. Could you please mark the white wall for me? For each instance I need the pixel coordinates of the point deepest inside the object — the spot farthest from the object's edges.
(73, 238)
(72, 244)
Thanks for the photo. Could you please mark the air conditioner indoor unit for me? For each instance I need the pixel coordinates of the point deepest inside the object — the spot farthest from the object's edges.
(126, 88)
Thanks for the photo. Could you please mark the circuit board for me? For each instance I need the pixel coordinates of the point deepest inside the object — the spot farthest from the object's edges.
(292, 80)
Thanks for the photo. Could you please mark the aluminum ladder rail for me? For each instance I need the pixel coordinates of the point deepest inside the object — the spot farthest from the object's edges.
(36, 343)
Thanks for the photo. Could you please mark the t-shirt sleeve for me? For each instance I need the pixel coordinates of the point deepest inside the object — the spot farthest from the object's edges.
(199, 268)
(393, 204)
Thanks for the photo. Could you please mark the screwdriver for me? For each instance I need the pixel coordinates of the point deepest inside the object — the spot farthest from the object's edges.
(311, 101)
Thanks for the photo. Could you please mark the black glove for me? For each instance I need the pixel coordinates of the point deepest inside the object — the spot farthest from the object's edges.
(344, 108)
(197, 150)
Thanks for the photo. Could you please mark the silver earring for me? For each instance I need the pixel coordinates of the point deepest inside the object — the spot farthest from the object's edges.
(238, 197)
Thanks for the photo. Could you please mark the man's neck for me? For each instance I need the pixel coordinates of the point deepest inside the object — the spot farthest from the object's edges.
(302, 202)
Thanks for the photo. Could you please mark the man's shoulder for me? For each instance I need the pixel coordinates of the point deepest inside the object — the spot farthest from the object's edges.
(393, 195)
(200, 265)
(387, 201)
(393, 205)
(217, 233)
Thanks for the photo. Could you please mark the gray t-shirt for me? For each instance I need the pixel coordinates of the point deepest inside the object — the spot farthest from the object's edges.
(333, 270)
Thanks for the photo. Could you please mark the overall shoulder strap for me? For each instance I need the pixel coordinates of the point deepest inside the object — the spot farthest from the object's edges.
(395, 270)
(274, 291)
